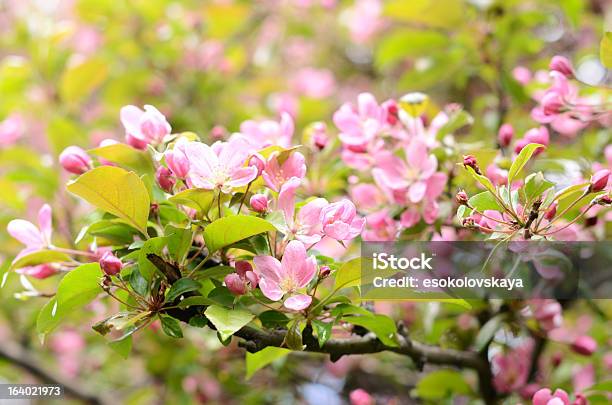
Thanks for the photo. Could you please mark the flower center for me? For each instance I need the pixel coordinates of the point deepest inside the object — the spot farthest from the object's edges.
(287, 285)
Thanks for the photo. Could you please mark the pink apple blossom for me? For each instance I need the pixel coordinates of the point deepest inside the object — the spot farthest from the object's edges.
(599, 180)
(144, 127)
(584, 345)
(75, 160)
(314, 83)
(164, 178)
(361, 125)
(306, 225)
(381, 227)
(562, 65)
(242, 280)
(547, 312)
(11, 129)
(220, 166)
(268, 133)
(511, 368)
(34, 238)
(363, 19)
(177, 160)
(276, 173)
(288, 276)
(340, 220)
(505, 134)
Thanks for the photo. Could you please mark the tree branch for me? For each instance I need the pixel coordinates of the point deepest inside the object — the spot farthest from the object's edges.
(18, 356)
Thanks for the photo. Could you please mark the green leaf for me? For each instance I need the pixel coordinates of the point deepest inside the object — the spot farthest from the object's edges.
(153, 245)
(198, 321)
(293, 338)
(257, 361)
(80, 80)
(273, 319)
(79, 287)
(138, 282)
(116, 191)
(228, 321)
(323, 331)
(125, 156)
(484, 201)
(122, 347)
(349, 275)
(605, 386)
(536, 185)
(197, 198)
(442, 384)
(349, 309)
(39, 257)
(217, 272)
(383, 327)
(171, 327)
(484, 181)
(180, 287)
(404, 43)
(456, 121)
(225, 231)
(570, 190)
(521, 160)
(605, 50)
(179, 242)
(487, 332)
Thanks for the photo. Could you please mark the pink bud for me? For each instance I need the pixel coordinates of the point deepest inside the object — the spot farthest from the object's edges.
(584, 345)
(538, 135)
(177, 162)
(110, 264)
(580, 400)
(258, 162)
(551, 211)
(136, 142)
(324, 271)
(361, 397)
(519, 145)
(505, 134)
(235, 284)
(461, 198)
(562, 65)
(164, 179)
(75, 160)
(259, 203)
(546, 397)
(218, 132)
(470, 161)
(599, 180)
(319, 135)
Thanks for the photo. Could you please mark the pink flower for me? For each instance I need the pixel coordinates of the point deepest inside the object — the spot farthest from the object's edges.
(562, 65)
(11, 129)
(381, 227)
(505, 134)
(416, 174)
(314, 83)
(110, 264)
(33, 237)
(340, 220)
(244, 278)
(522, 75)
(546, 397)
(306, 225)
(360, 126)
(220, 166)
(176, 159)
(164, 178)
(511, 369)
(286, 277)
(584, 345)
(267, 133)
(363, 19)
(361, 397)
(538, 135)
(144, 127)
(75, 160)
(276, 174)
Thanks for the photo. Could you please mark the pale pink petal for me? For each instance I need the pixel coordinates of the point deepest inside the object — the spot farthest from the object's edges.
(367, 106)
(307, 239)
(416, 191)
(356, 227)
(286, 199)
(409, 218)
(298, 302)
(435, 185)
(286, 128)
(243, 176)
(337, 230)
(268, 267)
(307, 272)
(309, 215)
(202, 159)
(130, 118)
(26, 233)
(294, 166)
(417, 154)
(294, 259)
(270, 289)
(45, 222)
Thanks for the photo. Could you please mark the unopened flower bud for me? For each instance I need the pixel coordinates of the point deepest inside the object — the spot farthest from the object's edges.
(556, 359)
(218, 132)
(135, 142)
(360, 397)
(259, 203)
(319, 135)
(470, 161)
(75, 160)
(599, 180)
(551, 211)
(562, 65)
(177, 162)
(164, 178)
(580, 400)
(505, 134)
(461, 198)
(605, 200)
(324, 271)
(235, 284)
(584, 345)
(110, 264)
(469, 222)
(258, 162)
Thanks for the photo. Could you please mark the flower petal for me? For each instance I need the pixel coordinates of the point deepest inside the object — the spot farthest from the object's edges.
(268, 267)
(298, 302)
(270, 289)
(26, 233)
(45, 222)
